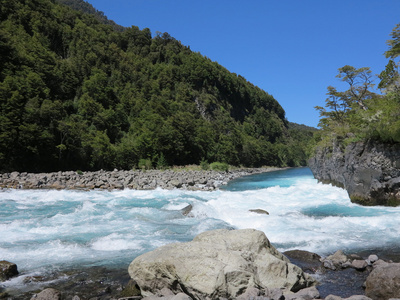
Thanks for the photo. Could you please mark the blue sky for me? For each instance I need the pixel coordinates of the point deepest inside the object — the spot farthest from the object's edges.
(290, 48)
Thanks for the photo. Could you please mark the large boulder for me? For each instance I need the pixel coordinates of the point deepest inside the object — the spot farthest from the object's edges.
(220, 263)
(384, 282)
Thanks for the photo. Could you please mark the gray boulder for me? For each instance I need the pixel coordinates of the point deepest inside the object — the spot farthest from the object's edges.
(336, 261)
(7, 270)
(221, 263)
(48, 294)
(384, 282)
(359, 264)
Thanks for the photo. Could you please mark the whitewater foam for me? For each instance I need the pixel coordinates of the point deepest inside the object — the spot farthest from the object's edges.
(47, 229)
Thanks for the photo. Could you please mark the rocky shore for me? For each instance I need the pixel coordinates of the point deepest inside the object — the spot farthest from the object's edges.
(133, 179)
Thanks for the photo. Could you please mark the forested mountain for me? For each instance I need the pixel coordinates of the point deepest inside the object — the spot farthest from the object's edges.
(76, 93)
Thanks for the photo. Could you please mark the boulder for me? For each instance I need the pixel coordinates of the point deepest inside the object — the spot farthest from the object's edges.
(220, 263)
(7, 270)
(359, 264)
(372, 259)
(384, 282)
(335, 261)
(48, 294)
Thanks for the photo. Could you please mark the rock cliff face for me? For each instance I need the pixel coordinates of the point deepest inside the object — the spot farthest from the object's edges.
(370, 172)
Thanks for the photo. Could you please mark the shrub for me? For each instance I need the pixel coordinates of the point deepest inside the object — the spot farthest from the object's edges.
(162, 162)
(218, 166)
(204, 165)
(144, 164)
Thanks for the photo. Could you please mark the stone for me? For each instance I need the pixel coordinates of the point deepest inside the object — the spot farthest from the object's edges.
(259, 211)
(48, 294)
(219, 263)
(304, 294)
(187, 210)
(379, 262)
(384, 282)
(308, 261)
(359, 265)
(335, 261)
(250, 293)
(131, 289)
(372, 259)
(7, 270)
(358, 297)
(181, 296)
(333, 297)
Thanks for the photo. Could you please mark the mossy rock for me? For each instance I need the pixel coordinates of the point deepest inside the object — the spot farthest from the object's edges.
(131, 289)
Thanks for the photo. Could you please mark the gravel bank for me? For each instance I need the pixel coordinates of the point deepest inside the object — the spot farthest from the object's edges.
(117, 179)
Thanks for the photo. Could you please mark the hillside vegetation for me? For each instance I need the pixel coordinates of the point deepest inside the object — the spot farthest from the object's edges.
(76, 93)
(358, 113)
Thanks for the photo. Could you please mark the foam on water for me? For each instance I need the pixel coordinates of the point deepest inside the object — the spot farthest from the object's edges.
(41, 230)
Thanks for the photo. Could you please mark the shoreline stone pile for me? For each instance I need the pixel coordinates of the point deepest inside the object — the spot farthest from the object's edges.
(119, 179)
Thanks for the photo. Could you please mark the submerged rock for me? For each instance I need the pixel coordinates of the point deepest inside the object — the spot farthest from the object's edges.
(259, 211)
(187, 210)
(220, 263)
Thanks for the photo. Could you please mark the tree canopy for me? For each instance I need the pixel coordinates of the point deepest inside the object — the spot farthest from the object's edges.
(359, 113)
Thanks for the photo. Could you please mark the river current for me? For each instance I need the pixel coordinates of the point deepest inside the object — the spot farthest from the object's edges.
(42, 230)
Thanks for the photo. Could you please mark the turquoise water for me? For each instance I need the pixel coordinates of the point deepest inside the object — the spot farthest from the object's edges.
(43, 230)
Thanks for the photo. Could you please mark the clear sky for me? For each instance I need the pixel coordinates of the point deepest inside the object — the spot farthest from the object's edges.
(289, 48)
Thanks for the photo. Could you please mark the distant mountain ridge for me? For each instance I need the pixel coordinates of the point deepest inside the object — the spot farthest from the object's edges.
(76, 93)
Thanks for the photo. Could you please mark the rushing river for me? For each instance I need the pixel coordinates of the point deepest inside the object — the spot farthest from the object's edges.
(42, 230)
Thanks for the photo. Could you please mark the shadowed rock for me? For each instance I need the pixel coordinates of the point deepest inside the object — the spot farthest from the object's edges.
(7, 270)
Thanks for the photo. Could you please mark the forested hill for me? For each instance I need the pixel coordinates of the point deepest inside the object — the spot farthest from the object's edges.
(79, 94)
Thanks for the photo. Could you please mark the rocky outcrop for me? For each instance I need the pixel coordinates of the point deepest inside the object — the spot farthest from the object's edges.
(220, 263)
(370, 172)
(7, 270)
(119, 179)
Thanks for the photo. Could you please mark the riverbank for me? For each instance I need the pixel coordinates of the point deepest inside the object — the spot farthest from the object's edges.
(104, 283)
(204, 180)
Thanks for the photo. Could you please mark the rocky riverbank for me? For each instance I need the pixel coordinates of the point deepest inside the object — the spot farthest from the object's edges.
(370, 172)
(133, 179)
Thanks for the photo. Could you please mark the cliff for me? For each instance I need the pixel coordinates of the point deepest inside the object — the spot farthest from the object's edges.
(370, 172)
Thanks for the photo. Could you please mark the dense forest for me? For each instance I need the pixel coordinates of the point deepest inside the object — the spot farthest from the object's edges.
(359, 113)
(78, 91)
